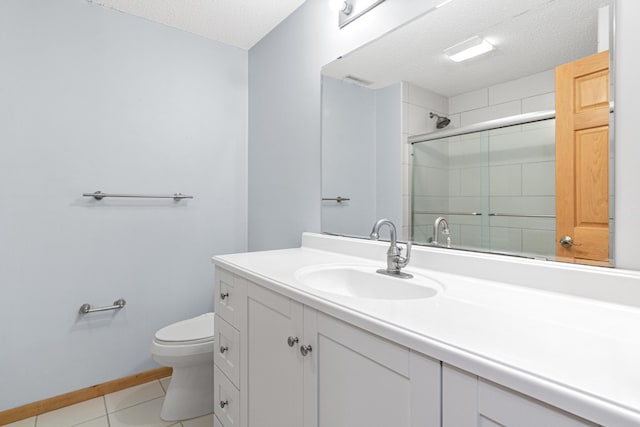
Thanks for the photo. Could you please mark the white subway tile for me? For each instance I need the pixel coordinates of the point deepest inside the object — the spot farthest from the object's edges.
(455, 182)
(419, 121)
(505, 180)
(427, 99)
(469, 101)
(491, 113)
(540, 205)
(523, 222)
(471, 236)
(470, 182)
(539, 179)
(535, 84)
(425, 203)
(506, 239)
(539, 242)
(432, 182)
(543, 102)
(465, 204)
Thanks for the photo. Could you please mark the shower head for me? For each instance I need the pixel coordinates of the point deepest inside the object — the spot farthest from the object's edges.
(442, 121)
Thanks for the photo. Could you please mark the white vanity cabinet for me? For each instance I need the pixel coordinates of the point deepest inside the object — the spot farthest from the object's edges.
(287, 364)
(302, 368)
(470, 401)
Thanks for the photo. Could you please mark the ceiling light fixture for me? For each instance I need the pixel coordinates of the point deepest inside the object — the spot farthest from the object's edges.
(468, 49)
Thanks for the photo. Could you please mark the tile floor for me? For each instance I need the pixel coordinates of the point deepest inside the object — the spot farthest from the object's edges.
(137, 406)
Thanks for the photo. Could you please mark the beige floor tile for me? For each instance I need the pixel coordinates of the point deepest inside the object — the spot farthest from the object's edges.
(206, 421)
(74, 414)
(143, 415)
(29, 422)
(132, 396)
(98, 422)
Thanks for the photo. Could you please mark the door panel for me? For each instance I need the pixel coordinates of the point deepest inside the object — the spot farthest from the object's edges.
(582, 159)
(274, 368)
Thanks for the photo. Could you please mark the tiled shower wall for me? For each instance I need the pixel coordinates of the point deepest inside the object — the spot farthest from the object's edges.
(506, 171)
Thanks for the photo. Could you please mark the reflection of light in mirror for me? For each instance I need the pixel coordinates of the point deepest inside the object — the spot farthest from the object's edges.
(470, 48)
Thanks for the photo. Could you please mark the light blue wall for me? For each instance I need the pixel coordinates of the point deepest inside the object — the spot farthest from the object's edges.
(284, 114)
(361, 156)
(388, 154)
(284, 119)
(93, 99)
(349, 154)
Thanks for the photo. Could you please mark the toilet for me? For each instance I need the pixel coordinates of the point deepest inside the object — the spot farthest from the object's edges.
(187, 347)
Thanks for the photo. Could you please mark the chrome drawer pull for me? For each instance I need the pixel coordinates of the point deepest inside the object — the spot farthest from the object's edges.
(223, 349)
(223, 403)
(224, 295)
(292, 341)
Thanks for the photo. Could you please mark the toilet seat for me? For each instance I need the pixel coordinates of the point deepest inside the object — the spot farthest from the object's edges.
(187, 332)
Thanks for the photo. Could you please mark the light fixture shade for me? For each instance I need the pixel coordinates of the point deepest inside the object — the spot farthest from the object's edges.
(469, 48)
(337, 5)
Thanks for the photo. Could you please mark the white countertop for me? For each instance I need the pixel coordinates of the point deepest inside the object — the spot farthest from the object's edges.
(577, 353)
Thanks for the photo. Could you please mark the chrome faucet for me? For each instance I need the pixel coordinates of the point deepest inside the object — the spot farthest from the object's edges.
(395, 261)
(445, 230)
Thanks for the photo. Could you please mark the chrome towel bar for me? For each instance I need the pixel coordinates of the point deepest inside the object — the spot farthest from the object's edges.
(338, 199)
(117, 305)
(99, 195)
(447, 213)
(522, 215)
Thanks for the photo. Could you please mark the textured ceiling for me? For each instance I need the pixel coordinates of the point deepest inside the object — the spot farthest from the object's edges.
(240, 23)
(530, 36)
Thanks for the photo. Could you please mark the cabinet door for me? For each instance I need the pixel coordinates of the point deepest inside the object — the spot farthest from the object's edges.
(274, 368)
(469, 401)
(362, 380)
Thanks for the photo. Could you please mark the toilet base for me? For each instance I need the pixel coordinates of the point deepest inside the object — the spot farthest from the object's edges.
(190, 393)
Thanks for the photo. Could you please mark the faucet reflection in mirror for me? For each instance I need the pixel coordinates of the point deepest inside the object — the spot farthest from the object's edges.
(445, 231)
(395, 261)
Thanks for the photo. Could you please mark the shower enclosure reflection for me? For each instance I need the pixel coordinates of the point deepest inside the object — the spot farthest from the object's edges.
(496, 188)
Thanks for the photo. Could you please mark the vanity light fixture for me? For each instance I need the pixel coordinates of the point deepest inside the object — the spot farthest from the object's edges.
(468, 49)
(341, 6)
(350, 10)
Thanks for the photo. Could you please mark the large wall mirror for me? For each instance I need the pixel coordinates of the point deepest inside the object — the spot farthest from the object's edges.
(508, 152)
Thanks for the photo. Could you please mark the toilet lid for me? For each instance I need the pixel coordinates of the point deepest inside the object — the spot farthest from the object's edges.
(196, 329)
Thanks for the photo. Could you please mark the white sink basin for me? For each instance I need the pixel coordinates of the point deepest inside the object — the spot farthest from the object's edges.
(363, 282)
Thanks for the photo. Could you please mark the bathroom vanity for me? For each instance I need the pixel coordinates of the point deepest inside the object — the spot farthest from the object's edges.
(313, 336)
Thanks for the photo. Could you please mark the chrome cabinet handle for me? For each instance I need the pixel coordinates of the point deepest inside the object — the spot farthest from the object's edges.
(223, 403)
(292, 341)
(223, 349)
(224, 295)
(305, 349)
(567, 242)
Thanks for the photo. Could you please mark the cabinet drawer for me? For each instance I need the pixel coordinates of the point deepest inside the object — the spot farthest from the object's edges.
(227, 400)
(230, 296)
(227, 350)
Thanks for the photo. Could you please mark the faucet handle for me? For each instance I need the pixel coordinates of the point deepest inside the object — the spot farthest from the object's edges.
(403, 261)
